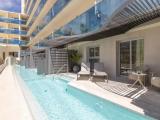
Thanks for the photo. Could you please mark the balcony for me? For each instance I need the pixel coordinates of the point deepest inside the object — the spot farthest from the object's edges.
(11, 20)
(57, 7)
(13, 31)
(92, 20)
(13, 41)
(38, 10)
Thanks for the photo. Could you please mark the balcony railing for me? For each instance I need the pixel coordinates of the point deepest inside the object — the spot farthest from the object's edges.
(32, 6)
(13, 31)
(57, 7)
(14, 41)
(90, 21)
(38, 10)
(12, 20)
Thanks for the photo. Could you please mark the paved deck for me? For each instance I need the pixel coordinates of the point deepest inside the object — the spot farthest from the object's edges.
(144, 101)
(12, 102)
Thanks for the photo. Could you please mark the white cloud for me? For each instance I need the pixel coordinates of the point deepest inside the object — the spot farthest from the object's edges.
(9, 4)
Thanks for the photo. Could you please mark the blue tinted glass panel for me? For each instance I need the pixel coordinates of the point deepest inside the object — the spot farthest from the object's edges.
(91, 20)
(41, 5)
(32, 6)
(57, 7)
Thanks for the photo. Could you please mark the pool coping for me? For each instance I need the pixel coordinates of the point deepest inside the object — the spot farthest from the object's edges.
(34, 107)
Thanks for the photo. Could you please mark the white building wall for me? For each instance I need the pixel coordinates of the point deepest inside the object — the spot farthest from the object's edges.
(108, 54)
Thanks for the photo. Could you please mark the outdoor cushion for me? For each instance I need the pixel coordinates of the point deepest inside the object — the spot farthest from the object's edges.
(100, 73)
(83, 72)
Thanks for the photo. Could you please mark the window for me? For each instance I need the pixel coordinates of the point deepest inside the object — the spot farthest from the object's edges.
(131, 56)
(93, 54)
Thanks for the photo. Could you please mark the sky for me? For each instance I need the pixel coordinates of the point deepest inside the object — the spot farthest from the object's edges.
(10, 5)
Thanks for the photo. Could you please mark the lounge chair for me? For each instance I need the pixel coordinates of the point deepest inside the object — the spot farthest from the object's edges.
(84, 74)
(99, 74)
(155, 81)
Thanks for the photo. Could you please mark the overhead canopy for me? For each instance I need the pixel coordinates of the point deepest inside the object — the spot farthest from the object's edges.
(137, 12)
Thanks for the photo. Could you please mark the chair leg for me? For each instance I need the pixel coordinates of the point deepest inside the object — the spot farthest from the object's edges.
(140, 82)
(134, 83)
(107, 78)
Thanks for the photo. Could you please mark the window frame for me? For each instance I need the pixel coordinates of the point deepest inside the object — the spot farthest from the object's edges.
(94, 57)
(119, 54)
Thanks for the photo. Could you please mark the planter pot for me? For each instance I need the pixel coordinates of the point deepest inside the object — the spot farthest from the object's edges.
(76, 68)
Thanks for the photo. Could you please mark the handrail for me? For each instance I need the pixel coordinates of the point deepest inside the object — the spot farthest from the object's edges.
(61, 68)
(2, 67)
(7, 61)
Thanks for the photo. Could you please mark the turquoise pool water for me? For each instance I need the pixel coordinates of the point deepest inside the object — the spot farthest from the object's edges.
(62, 102)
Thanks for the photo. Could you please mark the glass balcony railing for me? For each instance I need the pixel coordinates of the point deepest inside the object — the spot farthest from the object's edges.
(41, 45)
(38, 10)
(13, 31)
(13, 41)
(57, 7)
(27, 5)
(12, 20)
(22, 32)
(92, 20)
(32, 6)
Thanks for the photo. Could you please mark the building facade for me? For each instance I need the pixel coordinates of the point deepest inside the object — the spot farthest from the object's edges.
(122, 34)
(13, 32)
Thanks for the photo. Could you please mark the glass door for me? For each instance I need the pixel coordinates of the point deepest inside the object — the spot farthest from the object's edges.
(125, 63)
(131, 56)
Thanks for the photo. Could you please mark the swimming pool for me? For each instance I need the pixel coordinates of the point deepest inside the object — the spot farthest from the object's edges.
(63, 102)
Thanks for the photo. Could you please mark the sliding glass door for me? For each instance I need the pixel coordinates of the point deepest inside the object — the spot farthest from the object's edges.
(131, 56)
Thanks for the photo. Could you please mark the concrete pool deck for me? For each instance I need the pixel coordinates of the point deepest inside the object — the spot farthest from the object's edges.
(12, 103)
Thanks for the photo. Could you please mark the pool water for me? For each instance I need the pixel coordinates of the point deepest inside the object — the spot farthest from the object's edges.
(63, 102)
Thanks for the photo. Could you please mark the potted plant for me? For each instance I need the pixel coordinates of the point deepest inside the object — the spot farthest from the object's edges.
(75, 58)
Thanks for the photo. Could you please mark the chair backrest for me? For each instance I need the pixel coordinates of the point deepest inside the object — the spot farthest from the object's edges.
(98, 67)
(85, 66)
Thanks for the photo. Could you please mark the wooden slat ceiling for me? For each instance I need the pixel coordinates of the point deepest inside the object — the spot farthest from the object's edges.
(138, 11)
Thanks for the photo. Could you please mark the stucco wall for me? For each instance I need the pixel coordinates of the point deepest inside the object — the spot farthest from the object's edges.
(108, 54)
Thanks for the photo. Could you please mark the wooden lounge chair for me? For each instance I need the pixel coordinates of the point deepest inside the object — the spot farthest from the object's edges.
(84, 74)
(99, 75)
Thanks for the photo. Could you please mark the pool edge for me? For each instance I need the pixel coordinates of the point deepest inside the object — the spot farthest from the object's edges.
(33, 106)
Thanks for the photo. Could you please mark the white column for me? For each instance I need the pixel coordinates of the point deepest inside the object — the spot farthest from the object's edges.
(19, 27)
(7, 27)
(22, 6)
